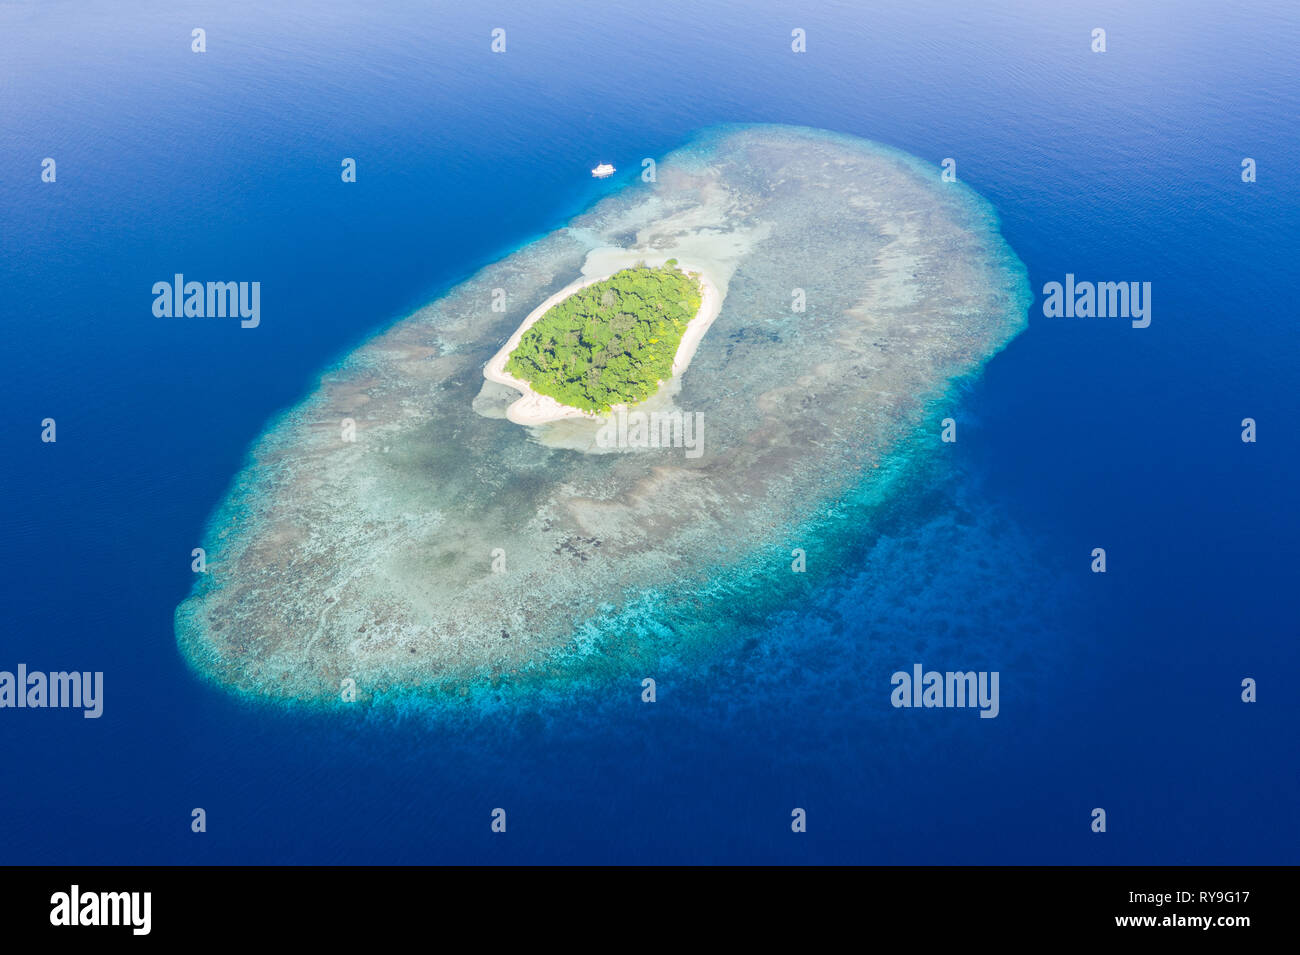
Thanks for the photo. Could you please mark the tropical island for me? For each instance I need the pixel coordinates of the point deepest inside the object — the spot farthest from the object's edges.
(611, 342)
(443, 560)
(605, 342)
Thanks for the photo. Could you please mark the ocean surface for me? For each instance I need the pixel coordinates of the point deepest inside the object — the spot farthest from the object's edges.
(1119, 690)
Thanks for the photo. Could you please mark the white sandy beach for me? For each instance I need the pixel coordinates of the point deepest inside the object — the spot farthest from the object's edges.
(536, 409)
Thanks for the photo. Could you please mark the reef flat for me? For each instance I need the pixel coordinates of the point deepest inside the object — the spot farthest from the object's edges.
(396, 533)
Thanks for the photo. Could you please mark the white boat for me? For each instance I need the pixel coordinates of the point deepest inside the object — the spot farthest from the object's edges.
(603, 171)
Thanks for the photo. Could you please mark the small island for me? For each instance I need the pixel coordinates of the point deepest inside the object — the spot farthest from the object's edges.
(379, 565)
(605, 342)
(612, 342)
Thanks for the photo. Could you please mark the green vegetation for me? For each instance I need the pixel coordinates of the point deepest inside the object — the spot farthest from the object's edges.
(612, 342)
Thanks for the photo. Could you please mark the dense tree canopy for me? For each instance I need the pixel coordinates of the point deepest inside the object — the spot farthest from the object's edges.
(612, 342)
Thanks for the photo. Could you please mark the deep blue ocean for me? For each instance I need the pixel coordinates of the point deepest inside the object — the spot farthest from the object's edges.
(1120, 691)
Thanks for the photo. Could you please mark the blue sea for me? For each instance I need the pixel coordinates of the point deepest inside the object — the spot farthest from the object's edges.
(1119, 691)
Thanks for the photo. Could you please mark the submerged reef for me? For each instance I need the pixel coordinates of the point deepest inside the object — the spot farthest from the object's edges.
(394, 532)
